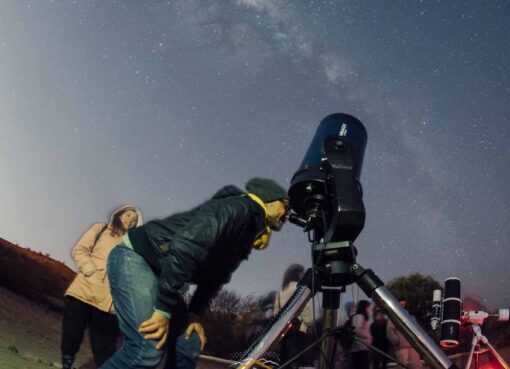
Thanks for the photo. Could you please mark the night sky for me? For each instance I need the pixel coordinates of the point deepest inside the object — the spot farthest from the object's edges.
(161, 103)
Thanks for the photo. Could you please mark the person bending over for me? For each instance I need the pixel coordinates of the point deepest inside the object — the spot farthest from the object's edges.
(203, 246)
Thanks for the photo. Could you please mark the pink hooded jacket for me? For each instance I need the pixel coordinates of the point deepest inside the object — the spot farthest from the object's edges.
(91, 283)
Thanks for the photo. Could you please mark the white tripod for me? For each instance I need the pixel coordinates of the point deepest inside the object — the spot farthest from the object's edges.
(480, 344)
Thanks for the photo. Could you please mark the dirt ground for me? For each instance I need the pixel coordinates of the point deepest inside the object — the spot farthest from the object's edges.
(30, 335)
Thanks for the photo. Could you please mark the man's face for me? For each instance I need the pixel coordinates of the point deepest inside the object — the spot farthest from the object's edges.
(403, 303)
(277, 214)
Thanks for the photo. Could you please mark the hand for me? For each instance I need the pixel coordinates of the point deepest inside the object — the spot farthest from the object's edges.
(197, 327)
(157, 329)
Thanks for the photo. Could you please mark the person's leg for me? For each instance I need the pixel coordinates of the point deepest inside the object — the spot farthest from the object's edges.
(104, 331)
(187, 352)
(299, 343)
(291, 346)
(181, 353)
(384, 361)
(376, 360)
(360, 359)
(355, 359)
(366, 359)
(134, 289)
(76, 317)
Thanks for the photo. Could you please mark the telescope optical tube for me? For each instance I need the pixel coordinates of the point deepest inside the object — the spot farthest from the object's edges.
(435, 320)
(325, 192)
(452, 310)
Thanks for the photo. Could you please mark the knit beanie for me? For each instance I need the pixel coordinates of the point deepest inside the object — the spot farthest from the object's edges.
(266, 189)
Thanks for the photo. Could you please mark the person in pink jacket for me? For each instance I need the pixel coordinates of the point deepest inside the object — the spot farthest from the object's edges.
(88, 299)
(405, 353)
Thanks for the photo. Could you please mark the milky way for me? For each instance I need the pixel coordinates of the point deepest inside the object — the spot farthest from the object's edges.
(161, 103)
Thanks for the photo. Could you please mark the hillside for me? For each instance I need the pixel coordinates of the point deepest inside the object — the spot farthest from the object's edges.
(32, 287)
(34, 275)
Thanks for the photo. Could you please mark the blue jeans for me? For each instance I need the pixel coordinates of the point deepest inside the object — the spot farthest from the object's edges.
(134, 289)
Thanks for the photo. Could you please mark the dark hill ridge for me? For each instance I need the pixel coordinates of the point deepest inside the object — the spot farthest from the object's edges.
(33, 274)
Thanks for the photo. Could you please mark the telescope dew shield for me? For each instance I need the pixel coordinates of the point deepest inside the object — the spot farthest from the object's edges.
(325, 190)
(339, 124)
(452, 310)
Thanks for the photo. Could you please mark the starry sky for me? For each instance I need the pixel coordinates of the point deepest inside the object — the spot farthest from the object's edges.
(161, 103)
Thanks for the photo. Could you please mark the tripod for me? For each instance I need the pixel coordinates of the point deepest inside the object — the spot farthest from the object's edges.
(336, 269)
(340, 334)
(480, 344)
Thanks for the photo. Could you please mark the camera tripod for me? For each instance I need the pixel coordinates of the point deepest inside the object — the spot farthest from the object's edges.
(341, 334)
(480, 344)
(337, 268)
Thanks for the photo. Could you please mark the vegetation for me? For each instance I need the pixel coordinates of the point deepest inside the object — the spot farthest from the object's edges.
(34, 275)
(225, 321)
(417, 289)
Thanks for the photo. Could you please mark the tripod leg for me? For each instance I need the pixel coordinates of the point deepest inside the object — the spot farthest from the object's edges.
(474, 342)
(274, 332)
(495, 358)
(330, 304)
(421, 341)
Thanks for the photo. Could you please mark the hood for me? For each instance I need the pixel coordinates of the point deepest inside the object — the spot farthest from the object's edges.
(130, 207)
(228, 191)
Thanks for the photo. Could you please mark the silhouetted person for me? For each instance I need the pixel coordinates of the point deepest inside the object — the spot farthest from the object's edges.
(405, 353)
(379, 340)
(359, 353)
(296, 338)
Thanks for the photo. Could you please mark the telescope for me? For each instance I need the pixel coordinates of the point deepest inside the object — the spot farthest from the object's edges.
(449, 314)
(325, 192)
(326, 198)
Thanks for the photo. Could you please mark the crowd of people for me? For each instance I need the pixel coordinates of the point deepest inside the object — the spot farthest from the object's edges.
(132, 276)
(369, 324)
(372, 328)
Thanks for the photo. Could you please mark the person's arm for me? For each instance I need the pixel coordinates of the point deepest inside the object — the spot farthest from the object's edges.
(392, 334)
(82, 251)
(214, 221)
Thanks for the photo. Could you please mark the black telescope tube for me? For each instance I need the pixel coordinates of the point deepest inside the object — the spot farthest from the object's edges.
(452, 310)
(309, 188)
